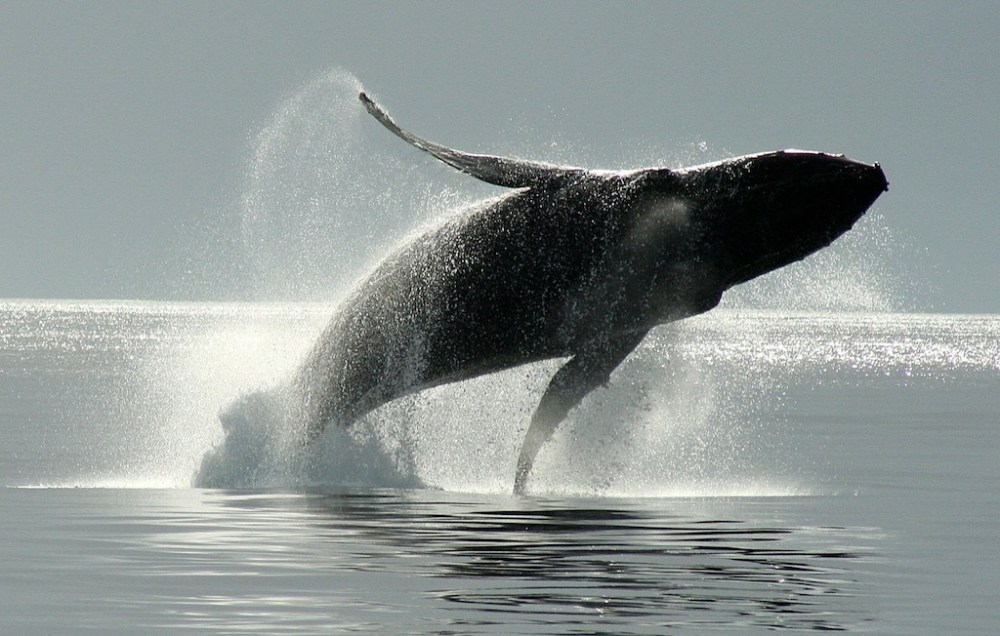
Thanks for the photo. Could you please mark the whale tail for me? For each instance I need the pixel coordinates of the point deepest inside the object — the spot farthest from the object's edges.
(507, 172)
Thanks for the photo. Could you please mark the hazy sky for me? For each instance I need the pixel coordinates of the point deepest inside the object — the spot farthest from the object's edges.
(126, 129)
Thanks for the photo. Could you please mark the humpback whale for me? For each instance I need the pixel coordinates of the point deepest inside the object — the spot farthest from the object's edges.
(571, 263)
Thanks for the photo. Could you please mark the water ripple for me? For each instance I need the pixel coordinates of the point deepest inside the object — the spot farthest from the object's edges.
(425, 562)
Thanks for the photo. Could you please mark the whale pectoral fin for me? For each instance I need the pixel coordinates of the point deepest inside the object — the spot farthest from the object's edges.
(501, 171)
(582, 374)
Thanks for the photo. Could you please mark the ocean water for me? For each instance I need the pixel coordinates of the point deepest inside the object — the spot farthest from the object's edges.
(743, 472)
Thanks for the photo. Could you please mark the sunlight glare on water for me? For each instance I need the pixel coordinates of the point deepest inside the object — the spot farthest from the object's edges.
(695, 411)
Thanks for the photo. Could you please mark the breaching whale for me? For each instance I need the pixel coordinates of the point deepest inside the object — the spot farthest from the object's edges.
(572, 263)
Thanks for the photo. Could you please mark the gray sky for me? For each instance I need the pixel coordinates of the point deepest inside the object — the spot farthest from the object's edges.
(127, 129)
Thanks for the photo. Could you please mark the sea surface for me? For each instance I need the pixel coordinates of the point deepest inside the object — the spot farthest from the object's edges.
(743, 472)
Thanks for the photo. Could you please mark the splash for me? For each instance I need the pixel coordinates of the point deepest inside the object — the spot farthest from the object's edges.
(264, 447)
(667, 425)
(208, 356)
(320, 200)
(855, 273)
(320, 205)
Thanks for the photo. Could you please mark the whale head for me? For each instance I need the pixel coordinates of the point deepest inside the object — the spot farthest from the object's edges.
(762, 212)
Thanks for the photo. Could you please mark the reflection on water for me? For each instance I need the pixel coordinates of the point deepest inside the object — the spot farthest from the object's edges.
(702, 571)
(634, 566)
(427, 562)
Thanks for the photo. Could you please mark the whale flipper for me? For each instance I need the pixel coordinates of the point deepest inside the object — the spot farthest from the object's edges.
(583, 373)
(501, 171)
